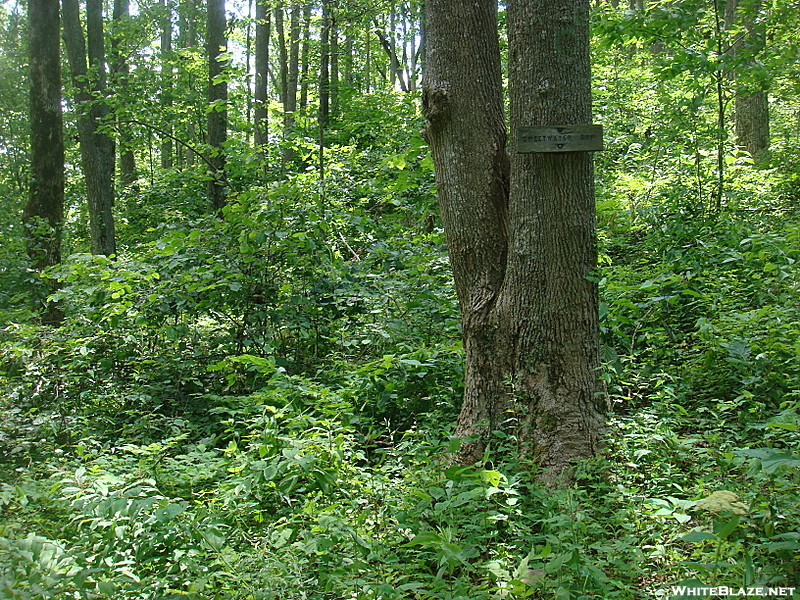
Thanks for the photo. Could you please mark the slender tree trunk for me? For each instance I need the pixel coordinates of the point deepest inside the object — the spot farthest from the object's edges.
(127, 158)
(217, 46)
(248, 52)
(347, 74)
(413, 56)
(261, 78)
(283, 57)
(97, 156)
(334, 66)
(189, 36)
(392, 50)
(167, 82)
(323, 113)
(324, 70)
(396, 74)
(304, 57)
(43, 215)
(293, 73)
(294, 59)
(367, 62)
(423, 36)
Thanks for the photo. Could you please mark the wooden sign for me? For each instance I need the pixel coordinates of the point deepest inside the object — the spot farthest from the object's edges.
(560, 138)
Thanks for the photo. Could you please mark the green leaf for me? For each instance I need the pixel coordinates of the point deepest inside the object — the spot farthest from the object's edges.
(723, 527)
(427, 538)
(697, 535)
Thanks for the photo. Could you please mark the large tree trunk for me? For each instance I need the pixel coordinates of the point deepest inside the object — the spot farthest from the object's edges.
(550, 294)
(217, 46)
(43, 215)
(97, 157)
(463, 107)
(751, 112)
(522, 256)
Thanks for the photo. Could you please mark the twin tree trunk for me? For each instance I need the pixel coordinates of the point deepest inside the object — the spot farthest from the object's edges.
(521, 230)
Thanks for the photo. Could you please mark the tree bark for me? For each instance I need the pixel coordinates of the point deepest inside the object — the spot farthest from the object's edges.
(260, 115)
(96, 147)
(217, 47)
(751, 100)
(520, 238)
(292, 75)
(304, 53)
(121, 72)
(167, 82)
(551, 297)
(751, 110)
(43, 215)
(463, 107)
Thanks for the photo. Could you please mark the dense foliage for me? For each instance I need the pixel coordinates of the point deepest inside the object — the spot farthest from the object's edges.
(259, 405)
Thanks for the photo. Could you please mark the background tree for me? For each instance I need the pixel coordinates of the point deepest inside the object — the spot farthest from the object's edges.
(121, 78)
(216, 51)
(751, 82)
(96, 146)
(189, 42)
(166, 82)
(304, 55)
(43, 216)
(261, 85)
(293, 75)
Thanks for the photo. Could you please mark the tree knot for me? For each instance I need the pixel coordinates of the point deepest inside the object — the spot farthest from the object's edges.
(436, 108)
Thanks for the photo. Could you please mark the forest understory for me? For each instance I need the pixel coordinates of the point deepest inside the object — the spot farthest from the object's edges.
(259, 403)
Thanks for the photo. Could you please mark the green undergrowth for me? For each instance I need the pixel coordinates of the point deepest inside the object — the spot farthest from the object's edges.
(285, 498)
(224, 417)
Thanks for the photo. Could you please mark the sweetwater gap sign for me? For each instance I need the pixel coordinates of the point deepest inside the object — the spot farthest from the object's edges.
(560, 138)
